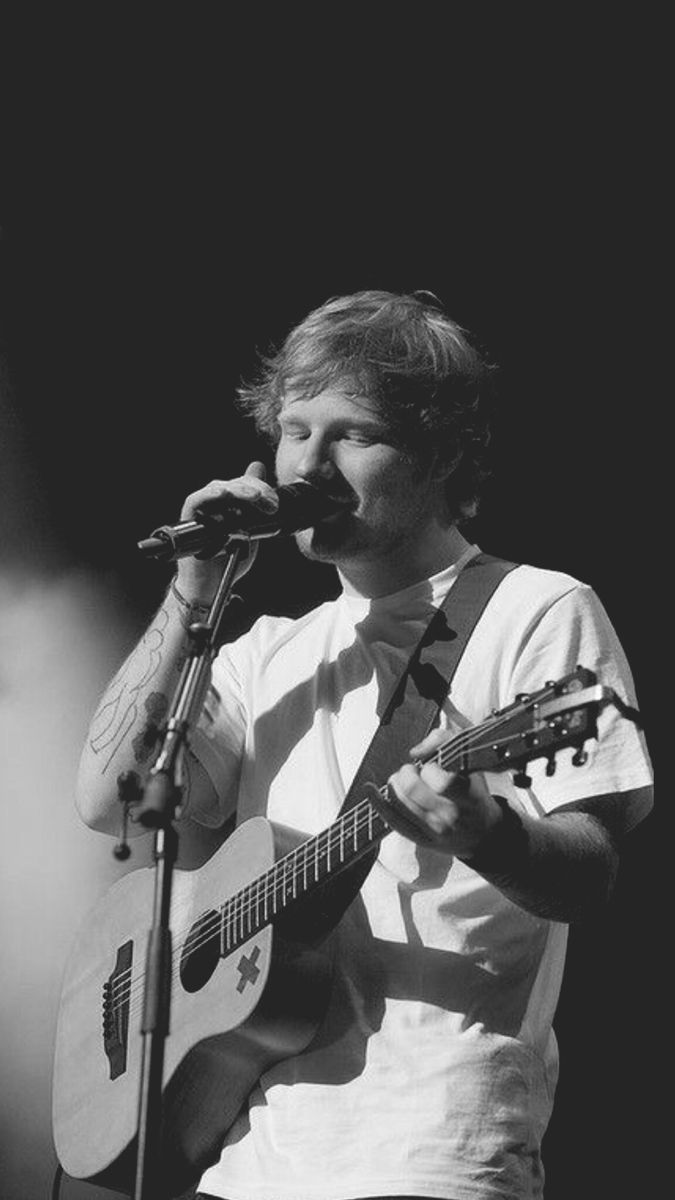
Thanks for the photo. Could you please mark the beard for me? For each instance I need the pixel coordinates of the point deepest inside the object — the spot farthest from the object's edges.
(344, 538)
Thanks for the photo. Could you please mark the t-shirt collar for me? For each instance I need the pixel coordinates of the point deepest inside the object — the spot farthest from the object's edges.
(426, 591)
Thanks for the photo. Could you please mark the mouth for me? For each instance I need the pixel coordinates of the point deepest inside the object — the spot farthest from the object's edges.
(335, 505)
(346, 506)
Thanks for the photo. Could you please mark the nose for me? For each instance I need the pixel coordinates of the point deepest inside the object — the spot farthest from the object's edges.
(315, 461)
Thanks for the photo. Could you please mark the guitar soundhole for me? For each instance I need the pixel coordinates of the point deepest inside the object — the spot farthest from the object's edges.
(201, 952)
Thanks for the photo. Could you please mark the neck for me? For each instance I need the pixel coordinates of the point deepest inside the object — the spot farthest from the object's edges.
(382, 576)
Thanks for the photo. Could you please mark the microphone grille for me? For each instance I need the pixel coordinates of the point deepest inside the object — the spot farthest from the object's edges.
(302, 504)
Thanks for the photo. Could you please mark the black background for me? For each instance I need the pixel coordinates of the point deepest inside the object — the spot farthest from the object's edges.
(181, 184)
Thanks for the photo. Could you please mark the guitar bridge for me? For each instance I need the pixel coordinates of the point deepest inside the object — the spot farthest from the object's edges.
(116, 1000)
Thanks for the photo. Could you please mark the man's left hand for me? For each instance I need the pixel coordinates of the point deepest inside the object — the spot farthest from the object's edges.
(450, 811)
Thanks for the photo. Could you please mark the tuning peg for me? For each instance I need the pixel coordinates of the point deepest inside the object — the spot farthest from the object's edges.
(550, 765)
(522, 780)
(580, 757)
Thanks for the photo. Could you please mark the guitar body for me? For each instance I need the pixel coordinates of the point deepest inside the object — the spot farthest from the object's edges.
(232, 1016)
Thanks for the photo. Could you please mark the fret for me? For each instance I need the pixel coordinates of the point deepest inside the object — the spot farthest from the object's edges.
(288, 875)
(242, 915)
(258, 886)
(247, 909)
(234, 917)
(226, 927)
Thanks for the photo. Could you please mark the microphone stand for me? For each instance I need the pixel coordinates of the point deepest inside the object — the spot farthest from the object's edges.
(160, 797)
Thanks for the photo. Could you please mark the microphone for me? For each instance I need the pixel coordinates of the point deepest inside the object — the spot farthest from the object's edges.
(300, 505)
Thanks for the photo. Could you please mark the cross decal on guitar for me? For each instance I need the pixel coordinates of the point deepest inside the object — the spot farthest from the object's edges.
(247, 968)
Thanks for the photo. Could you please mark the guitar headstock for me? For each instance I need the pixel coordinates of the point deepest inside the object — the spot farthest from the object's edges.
(561, 714)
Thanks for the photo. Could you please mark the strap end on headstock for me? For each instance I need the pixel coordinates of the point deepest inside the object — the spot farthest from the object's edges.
(626, 710)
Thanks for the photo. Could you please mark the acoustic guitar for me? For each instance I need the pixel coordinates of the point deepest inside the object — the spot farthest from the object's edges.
(251, 963)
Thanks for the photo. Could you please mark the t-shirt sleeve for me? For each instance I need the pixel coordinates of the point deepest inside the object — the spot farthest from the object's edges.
(575, 630)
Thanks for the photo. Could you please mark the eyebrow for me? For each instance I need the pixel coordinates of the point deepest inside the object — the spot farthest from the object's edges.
(363, 424)
(288, 416)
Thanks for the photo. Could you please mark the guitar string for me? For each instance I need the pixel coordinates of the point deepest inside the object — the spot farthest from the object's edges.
(326, 836)
(361, 815)
(275, 884)
(277, 875)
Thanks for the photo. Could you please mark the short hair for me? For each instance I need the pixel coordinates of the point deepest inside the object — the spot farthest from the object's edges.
(424, 372)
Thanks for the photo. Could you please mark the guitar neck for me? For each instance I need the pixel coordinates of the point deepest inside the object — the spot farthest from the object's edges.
(562, 714)
(298, 874)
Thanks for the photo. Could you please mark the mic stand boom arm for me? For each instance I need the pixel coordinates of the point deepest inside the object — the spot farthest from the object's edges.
(160, 797)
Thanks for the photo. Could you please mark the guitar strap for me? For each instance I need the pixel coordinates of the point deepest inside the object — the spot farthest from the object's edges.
(411, 713)
(418, 696)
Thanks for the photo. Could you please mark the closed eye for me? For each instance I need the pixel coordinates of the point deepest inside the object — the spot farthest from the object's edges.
(361, 437)
(294, 432)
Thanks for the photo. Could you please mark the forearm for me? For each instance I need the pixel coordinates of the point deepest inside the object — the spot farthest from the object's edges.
(124, 733)
(561, 867)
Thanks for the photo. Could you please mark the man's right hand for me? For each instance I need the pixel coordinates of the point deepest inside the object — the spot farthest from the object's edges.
(197, 579)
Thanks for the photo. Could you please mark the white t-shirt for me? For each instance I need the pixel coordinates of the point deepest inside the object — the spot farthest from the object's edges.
(434, 1071)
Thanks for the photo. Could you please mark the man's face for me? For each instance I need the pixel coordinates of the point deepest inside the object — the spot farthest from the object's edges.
(339, 442)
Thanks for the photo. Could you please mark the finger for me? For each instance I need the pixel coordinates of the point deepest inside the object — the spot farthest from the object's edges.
(429, 744)
(219, 493)
(406, 782)
(421, 785)
(256, 470)
(412, 796)
(253, 486)
(437, 779)
(397, 815)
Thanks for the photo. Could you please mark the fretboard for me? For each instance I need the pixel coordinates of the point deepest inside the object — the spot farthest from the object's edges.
(298, 873)
(312, 863)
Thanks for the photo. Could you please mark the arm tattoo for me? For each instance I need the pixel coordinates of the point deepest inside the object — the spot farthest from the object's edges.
(120, 709)
(156, 706)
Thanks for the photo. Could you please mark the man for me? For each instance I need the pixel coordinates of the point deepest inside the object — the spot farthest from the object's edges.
(434, 1070)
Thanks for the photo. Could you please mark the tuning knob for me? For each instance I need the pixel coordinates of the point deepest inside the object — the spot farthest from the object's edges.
(580, 757)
